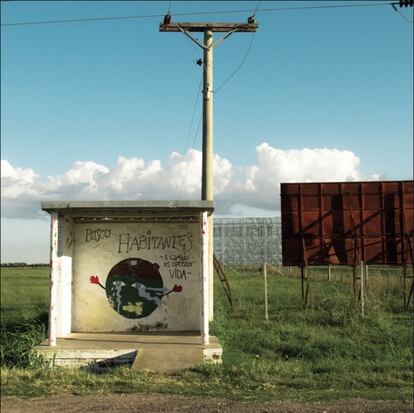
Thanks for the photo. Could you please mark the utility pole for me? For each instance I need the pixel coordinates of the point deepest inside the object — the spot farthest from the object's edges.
(208, 45)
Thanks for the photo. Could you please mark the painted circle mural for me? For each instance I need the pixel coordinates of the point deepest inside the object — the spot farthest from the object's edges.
(134, 287)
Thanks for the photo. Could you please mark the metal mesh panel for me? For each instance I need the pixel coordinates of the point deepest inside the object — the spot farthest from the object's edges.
(244, 241)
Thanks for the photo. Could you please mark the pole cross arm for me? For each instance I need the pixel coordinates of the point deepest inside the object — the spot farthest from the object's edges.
(198, 43)
(214, 27)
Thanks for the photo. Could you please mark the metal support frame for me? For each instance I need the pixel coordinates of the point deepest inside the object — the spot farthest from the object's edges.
(304, 277)
(356, 253)
(405, 241)
(223, 279)
(407, 299)
(304, 266)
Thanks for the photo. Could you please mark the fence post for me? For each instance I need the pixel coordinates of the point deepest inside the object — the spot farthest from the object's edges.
(404, 276)
(265, 292)
(362, 290)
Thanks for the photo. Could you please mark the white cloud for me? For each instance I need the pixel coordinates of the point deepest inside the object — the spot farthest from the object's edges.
(80, 181)
(260, 188)
(17, 181)
(20, 191)
(252, 186)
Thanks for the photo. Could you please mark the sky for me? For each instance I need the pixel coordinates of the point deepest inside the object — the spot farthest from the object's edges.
(111, 109)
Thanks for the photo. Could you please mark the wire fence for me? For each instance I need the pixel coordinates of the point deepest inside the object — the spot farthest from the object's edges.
(248, 241)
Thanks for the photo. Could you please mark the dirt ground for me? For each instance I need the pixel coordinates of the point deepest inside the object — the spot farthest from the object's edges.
(159, 403)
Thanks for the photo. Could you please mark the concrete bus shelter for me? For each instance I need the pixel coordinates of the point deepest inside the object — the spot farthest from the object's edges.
(129, 282)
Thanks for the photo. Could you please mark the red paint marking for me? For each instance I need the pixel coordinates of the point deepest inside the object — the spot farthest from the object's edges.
(177, 288)
(94, 279)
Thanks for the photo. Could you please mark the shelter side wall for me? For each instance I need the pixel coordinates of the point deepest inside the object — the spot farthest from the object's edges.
(64, 277)
(60, 298)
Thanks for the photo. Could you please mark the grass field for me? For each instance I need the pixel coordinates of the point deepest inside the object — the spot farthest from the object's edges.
(327, 352)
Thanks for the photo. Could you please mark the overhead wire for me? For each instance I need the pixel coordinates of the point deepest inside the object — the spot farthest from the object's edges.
(196, 135)
(197, 131)
(204, 69)
(245, 56)
(188, 135)
(185, 172)
(149, 16)
(239, 66)
(178, 189)
(401, 14)
(257, 8)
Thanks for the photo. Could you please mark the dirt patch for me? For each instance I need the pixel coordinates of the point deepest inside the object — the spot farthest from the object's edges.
(160, 403)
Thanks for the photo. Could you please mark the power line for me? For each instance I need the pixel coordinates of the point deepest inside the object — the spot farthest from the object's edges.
(198, 130)
(257, 8)
(240, 65)
(246, 54)
(152, 16)
(176, 191)
(91, 19)
(403, 16)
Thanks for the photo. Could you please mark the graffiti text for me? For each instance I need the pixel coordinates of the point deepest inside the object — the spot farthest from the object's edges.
(128, 243)
(97, 234)
(178, 274)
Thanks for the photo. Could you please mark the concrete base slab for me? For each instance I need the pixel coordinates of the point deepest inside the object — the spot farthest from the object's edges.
(162, 352)
(167, 359)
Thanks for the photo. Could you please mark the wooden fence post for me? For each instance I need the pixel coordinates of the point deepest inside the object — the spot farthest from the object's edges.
(265, 292)
(362, 290)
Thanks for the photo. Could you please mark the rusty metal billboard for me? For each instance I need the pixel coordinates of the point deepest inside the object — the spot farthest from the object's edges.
(344, 223)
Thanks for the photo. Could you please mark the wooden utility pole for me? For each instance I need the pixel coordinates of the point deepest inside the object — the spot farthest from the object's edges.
(208, 45)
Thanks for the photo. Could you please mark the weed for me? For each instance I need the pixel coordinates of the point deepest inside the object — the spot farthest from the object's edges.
(18, 341)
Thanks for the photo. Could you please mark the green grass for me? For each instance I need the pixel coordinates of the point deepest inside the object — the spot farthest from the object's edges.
(24, 293)
(327, 352)
(24, 306)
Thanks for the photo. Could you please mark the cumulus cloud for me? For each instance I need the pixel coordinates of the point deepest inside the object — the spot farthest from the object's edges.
(17, 181)
(235, 186)
(260, 187)
(20, 191)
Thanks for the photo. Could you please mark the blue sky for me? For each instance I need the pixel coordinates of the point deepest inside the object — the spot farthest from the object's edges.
(323, 94)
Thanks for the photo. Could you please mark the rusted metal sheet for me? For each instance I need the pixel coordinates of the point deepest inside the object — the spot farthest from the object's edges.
(347, 222)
